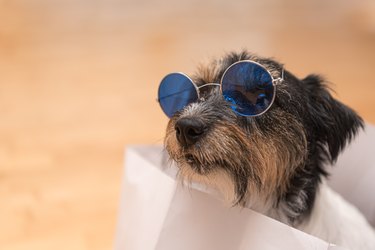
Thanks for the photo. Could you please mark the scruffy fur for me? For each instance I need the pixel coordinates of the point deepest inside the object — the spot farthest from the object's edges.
(273, 163)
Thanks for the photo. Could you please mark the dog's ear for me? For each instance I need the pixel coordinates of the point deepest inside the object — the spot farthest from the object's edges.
(333, 123)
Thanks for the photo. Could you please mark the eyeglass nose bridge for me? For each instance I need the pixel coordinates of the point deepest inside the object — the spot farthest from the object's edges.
(206, 85)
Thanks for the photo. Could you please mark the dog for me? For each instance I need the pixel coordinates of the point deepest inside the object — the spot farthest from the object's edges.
(249, 128)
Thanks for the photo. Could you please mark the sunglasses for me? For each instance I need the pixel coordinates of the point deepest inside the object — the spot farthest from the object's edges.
(246, 85)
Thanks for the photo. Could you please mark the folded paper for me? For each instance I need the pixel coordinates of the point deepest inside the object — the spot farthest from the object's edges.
(156, 212)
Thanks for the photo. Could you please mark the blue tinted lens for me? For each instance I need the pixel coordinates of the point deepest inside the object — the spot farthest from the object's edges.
(176, 91)
(248, 87)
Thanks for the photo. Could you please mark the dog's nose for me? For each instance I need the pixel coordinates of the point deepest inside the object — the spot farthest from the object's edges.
(189, 130)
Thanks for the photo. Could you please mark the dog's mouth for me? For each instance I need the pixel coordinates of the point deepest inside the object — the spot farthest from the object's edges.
(195, 164)
(191, 159)
(198, 165)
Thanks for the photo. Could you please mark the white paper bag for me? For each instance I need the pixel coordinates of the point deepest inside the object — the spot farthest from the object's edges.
(156, 212)
(353, 176)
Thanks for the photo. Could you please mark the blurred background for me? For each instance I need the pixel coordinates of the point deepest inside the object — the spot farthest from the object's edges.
(78, 82)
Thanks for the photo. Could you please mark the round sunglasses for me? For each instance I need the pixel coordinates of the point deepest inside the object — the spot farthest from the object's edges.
(246, 85)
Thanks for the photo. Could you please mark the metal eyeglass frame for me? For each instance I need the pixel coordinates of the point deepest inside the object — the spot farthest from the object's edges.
(275, 83)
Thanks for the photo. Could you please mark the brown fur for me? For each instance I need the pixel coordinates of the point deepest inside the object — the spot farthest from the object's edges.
(268, 158)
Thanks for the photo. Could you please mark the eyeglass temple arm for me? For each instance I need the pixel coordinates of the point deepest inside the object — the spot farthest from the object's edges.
(280, 79)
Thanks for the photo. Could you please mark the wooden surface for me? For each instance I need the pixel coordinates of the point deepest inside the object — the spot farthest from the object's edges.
(78, 82)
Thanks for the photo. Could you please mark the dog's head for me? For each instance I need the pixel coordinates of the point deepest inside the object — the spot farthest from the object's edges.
(273, 160)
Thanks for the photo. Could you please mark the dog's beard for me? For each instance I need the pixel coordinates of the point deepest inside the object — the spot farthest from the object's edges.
(241, 163)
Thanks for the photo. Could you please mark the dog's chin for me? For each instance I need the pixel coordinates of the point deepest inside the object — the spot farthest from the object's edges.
(209, 174)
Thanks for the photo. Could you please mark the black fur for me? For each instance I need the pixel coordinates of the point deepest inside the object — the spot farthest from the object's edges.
(328, 123)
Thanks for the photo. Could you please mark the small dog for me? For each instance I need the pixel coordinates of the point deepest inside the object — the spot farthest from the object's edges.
(252, 130)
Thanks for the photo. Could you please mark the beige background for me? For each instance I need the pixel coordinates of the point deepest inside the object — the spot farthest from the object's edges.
(78, 81)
